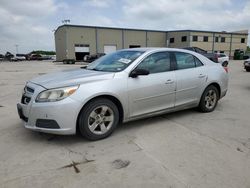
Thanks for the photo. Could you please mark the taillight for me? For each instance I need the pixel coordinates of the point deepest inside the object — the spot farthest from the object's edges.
(226, 69)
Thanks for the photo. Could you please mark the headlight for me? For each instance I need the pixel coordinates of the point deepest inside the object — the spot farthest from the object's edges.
(57, 94)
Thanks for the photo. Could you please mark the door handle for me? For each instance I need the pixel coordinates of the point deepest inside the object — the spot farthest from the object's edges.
(201, 76)
(169, 81)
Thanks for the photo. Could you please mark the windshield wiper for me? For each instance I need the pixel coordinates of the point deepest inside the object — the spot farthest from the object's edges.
(94, 69)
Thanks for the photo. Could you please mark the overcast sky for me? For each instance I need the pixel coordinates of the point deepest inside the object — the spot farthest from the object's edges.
(30, 23)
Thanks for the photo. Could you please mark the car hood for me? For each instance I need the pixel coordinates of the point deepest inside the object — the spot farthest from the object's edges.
(71, 77)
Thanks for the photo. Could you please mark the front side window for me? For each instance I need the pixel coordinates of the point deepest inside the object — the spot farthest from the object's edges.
(186, 61)
(115, 62)
(155, 63)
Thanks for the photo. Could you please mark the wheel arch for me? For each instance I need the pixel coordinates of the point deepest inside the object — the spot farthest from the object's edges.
(215, 84)
(112, 98)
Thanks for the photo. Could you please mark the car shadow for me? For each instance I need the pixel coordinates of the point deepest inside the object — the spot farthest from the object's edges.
(153, 120)
(120, 130)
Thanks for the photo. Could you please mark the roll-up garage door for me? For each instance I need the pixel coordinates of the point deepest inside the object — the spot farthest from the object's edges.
(109, 49)
(81, 50)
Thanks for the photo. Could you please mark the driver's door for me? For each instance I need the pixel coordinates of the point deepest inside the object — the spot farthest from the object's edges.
(153, 92)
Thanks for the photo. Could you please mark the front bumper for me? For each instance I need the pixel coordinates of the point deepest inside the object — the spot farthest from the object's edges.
(50, 117)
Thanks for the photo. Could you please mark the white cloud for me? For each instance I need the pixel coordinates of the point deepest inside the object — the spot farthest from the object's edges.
(98, 3)
(191, 14)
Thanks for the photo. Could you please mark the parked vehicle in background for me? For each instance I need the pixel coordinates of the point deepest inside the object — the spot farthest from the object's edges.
(212, 56)
(223, 59)
(247, 65)
(121, 86)
(69, 61)
(35, 57)
(93, 57)
(8, 56)
(1, 57)
(18, 57)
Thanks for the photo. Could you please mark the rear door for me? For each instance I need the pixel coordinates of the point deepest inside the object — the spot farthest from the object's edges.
(190, 77)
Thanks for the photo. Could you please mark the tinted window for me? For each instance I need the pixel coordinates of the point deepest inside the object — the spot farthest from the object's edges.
(157, 62)
(184, 60)
(198, 63)
(183, 38)
(222, 39)
(171, 40)
(205, 38)
(195, 38)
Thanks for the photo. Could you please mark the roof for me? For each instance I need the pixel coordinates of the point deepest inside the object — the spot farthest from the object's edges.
(216, 32)
(148, 30)
(115, 28)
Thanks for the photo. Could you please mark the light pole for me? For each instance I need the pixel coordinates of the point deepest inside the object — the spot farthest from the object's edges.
(16, 48)
(66, 21)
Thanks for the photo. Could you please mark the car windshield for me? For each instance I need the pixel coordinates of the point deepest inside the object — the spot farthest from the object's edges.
(115, 62)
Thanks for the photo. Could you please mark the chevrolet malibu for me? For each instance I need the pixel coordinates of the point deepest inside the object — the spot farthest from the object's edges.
(119, 87)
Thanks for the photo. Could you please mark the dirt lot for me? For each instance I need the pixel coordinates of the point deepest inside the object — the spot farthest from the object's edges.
(183, 149)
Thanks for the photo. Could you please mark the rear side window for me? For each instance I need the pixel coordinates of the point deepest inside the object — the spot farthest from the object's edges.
(198, 63)
(186, 61)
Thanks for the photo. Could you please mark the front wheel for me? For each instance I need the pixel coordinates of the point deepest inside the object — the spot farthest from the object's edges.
(209, 99)
(98, 119)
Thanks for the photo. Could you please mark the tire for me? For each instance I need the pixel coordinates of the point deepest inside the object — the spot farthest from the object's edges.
(225, 64)
(209, 99)
(102, 115)
(248, 70)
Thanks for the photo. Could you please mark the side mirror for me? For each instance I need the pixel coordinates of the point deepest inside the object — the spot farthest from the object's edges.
(138, 72)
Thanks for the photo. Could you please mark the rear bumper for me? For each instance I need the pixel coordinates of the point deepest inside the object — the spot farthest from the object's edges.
(223, 93)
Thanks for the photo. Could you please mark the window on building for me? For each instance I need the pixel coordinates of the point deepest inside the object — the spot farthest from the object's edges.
(195, 38)
(222, 52)
(134, 46)
(223, 39)
(205, 39)
(171, 40)
(242, 40)
(183, 38)
(216, 39)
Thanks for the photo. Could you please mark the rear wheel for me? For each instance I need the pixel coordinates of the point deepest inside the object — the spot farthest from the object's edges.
(98, 119)
(209, 99)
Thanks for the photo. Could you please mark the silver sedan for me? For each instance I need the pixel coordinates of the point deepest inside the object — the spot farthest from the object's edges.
(119, 87)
